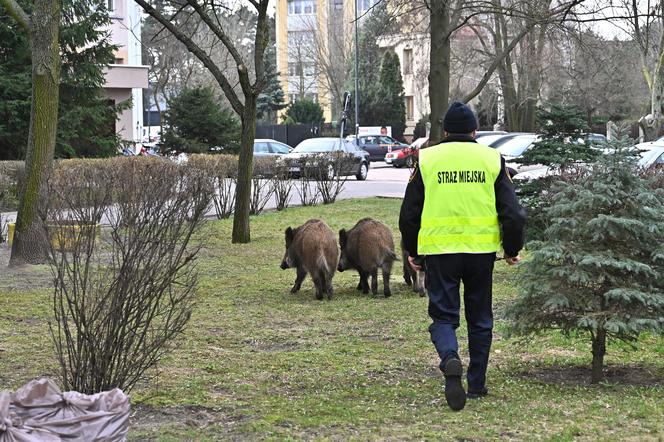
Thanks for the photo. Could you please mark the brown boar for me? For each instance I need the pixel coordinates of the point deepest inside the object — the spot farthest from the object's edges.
(414, 279)
(312, 248)
(366, 247)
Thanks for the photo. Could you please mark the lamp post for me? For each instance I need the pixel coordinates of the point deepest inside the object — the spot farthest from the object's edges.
(357, 82)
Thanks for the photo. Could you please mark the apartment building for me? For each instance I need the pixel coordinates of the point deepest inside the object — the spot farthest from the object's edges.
(313, 35)
(127, 77)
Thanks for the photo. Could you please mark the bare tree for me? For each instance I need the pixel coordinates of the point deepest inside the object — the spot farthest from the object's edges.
(251, 83)
(43, 28)
(302, 63)
(448, 16)
(647, 28)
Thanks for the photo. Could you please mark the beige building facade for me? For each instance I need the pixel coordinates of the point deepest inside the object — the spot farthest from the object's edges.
(413, 52)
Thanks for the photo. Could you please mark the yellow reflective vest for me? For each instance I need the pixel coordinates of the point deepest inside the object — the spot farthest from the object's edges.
(459, 213)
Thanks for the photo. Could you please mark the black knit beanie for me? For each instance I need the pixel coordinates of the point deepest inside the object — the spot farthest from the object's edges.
(459, 119)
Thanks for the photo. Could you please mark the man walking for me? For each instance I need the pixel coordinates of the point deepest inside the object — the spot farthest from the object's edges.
(457, 203)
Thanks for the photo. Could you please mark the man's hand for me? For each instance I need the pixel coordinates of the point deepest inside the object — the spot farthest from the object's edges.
(414, 266)
(512, 260)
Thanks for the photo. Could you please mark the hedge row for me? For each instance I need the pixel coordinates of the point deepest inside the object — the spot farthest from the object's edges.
(271, 179)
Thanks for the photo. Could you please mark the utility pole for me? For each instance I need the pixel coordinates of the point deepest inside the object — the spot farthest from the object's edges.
(357, 82)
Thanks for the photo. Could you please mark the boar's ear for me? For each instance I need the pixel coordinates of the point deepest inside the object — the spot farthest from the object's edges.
(342, 238)
(289, 235)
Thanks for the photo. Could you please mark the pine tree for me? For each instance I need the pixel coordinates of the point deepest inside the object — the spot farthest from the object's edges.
(600, 268)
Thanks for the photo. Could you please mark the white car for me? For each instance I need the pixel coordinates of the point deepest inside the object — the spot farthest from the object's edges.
(652, 155)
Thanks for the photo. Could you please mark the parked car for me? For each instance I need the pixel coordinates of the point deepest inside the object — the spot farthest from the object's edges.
(513, 147)
(330, 148)
(488, 133)
(264, 147)
(407, 156)
(651, 156)
(379, 145)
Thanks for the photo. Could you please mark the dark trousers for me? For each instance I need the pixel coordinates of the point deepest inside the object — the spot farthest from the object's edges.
(444, 273)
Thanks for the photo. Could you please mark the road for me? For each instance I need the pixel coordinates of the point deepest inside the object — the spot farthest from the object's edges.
(382, 180)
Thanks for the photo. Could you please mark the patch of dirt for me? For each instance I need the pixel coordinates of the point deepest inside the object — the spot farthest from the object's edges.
(24, 277)
(576, 375)
(151, 419)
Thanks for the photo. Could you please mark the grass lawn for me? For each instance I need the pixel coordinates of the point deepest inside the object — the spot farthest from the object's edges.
(260, 363)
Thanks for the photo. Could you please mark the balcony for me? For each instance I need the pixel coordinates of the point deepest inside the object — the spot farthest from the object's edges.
(123, 76)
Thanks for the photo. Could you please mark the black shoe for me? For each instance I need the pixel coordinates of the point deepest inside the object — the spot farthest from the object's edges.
(455, 395)
(477, 394)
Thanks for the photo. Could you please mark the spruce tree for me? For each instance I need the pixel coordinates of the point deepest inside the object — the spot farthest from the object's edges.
(558, 148)
(372, 101)
(305, 112)
(197, 122)
(600, 266)
(86, 121)
(271, 99)
(392, 92)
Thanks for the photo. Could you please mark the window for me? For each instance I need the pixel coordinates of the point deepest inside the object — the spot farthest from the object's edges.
(409, 108)
(338, 5)
(297, 7)
(119, 61)
(365, 5)
(407, 61)
(309, 69)
(293, 97)
(110, 5)
(261, 147)
(279, 148)
(294, 69)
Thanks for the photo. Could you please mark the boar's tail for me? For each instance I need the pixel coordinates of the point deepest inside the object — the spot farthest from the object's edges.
(322, 264)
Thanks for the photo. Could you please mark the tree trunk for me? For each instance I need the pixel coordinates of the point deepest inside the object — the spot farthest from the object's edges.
(599, 350)
(241, 232)
(29, 245)
(506, 75)
(439, 64)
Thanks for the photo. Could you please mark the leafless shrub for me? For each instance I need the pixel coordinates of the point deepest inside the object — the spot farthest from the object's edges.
(262, 184)
(307, 189)
(282, 184)
(331, 173)
(222, 172)
(121, 298)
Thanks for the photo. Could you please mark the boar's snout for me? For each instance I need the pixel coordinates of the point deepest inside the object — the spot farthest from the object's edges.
(342, 264)
(284, 265)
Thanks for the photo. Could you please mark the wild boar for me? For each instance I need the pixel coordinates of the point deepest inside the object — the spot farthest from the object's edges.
(312, 248)
(412, 278)
(366, 247)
